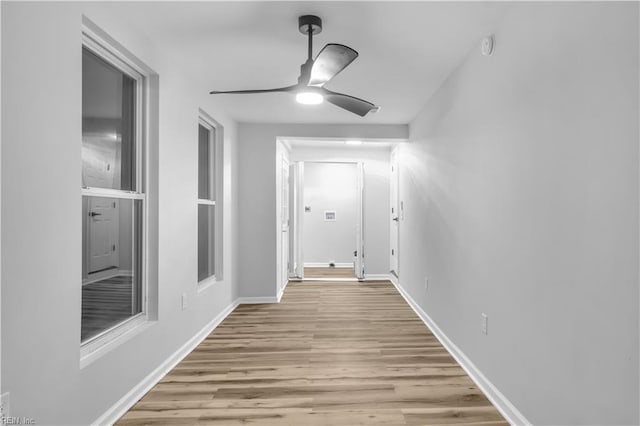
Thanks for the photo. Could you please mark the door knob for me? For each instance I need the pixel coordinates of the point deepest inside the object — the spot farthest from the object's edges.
(92, 214)
(396, 219)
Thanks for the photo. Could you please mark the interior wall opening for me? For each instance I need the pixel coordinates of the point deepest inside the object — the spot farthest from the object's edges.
(331, 221)
(338, 196)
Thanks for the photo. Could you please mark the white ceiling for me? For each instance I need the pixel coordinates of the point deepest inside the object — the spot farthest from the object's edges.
(377, 144)
(407, 49)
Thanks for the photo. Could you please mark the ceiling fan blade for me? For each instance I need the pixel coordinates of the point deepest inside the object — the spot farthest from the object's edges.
(350, 103)
(248, 92)
(332, 59)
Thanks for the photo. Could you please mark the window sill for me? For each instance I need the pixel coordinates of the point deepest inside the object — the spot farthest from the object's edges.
(96, 349)
(206, 283)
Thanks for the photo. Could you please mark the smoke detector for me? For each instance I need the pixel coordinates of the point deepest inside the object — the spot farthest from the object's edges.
(487, 45)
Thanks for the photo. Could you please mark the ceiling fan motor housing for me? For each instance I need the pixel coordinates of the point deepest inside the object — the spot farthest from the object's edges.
(310, 21)
(305, 72)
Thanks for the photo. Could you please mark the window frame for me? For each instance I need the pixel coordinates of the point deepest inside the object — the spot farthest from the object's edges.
(215, 196)
(110, 52)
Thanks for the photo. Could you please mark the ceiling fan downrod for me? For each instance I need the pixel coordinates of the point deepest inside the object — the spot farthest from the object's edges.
(308, 25)
(310, 38)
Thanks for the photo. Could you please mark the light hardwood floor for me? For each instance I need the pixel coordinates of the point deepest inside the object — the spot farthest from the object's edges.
(327, 272)
(331, 353)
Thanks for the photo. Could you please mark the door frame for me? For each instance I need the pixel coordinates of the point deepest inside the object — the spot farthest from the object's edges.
(113, 230)
(296, 207)
(395, 213)
(359, 263)
(285, 220)
(298, 234)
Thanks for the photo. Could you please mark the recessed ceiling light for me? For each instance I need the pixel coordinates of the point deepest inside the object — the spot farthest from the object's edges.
(354, 142)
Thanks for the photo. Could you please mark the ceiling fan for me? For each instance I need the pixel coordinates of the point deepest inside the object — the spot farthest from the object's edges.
(315, 73)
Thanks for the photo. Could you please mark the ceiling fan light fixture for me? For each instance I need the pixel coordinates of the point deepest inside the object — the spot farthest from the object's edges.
(315, 73)
(309, 98)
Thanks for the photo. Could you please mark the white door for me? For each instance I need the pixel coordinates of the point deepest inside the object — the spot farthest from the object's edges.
(359, 252)
(98, 164)
(103, 234)
(296, 259)
(285, 224)
(395, 214)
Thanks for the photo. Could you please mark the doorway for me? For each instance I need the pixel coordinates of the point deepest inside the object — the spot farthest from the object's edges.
(327, 220)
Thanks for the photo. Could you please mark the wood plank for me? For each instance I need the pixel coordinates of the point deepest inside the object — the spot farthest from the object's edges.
(328, 272)
(331, 353)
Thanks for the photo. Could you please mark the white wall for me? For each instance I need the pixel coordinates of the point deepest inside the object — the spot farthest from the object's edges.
(520, 189)
(330, 186)
(376, 194)
(41, 238)
(258, 243)
(1, 391)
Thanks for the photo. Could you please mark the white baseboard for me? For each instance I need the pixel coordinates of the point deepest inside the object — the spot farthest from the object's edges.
(326, 265)
(367, 277)
(394, 281)
(332, 279)
(377, 277)
(253, 300)
(504, 406)
(138, 391)
(281, 292)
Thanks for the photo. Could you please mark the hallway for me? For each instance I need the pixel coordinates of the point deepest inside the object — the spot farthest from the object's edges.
(331, 353)
(149, 228)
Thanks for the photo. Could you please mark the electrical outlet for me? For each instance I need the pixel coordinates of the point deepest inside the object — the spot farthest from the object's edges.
(485, 324)
(184, 301)
(4, 405)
